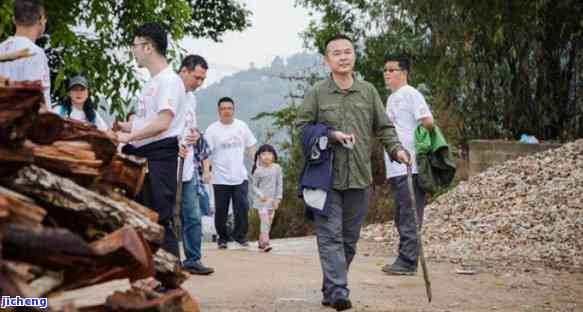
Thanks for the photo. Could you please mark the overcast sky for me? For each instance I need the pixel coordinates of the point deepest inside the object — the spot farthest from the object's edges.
(276, 25)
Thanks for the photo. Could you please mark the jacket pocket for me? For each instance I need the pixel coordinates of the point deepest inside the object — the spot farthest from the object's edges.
(330, 114)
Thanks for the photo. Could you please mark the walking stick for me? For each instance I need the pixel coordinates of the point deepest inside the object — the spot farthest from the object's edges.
(176, 218)
(418, 232)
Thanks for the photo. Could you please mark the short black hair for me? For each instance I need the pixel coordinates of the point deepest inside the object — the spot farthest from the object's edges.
(225, 99)
(155, 34)
(191, 61)
(401, 58)
(334, 38)
(28, 12)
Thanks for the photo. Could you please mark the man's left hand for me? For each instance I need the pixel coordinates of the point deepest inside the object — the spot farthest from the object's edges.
(404, 158)
(206, 177)
(123, 137)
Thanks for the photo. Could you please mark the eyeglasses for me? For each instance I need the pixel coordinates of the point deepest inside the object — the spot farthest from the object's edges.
(134, 45)
(392, 70)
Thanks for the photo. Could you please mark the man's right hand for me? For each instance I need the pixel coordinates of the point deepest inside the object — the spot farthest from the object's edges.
(182, 151)
(404, 158)
(192, 138)
(343, 138)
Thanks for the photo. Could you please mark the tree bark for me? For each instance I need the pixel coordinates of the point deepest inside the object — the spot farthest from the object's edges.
(134, 300)
(81, 210)
(19, 105)
(20, 209)
(168, 270)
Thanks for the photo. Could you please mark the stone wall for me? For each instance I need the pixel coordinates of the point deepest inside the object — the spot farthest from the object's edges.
(485, 153)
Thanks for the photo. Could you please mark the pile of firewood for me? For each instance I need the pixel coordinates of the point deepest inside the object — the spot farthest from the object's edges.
(66, 217)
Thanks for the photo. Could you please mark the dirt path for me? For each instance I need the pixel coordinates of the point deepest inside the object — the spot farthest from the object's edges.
(289, 279)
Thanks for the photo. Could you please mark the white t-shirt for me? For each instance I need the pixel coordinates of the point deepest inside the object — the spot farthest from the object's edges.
(227, 144)
(405, 107)
(189, 123)
(165, 91)
(35, 67)
(79, 114)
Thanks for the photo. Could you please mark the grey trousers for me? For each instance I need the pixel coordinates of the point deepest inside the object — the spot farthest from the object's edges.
(404, 220)
(337, 235)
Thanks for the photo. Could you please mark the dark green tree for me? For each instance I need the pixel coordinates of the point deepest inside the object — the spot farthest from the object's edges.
(494, 69)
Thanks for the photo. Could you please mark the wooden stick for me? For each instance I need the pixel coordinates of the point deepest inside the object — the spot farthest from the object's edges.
(10, 57)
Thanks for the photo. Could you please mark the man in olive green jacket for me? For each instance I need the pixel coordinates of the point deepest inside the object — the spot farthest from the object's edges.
(353, 110)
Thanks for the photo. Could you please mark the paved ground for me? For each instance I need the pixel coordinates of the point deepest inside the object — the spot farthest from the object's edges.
(289, 279)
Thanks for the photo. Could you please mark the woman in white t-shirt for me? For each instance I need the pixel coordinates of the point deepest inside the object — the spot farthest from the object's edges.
(78, 105)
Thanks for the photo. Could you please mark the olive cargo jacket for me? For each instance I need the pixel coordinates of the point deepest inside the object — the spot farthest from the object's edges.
(359, 111)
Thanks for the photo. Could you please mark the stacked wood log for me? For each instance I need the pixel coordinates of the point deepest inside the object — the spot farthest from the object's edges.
(67, 219)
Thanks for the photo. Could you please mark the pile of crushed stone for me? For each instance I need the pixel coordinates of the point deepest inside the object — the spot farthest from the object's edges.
(524, 211)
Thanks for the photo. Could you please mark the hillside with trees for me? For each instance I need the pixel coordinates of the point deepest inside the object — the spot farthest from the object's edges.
(258, 90)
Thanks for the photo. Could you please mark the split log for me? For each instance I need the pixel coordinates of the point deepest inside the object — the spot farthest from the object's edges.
(19, 105)
(103, 145)
(60, 159)
(60, 248)
(21, 209)
(168, 270)
(123, 254)
(81, 210)
(26, 271)
(135, 300)
(46, 128)
(91, 298)
(147, 212)
(14, 158)
(127, 172)
(48, 282)
(13, 284)
(4, 208)
(38, 279)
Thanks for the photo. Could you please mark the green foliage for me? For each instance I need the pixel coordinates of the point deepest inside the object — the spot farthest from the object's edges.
(93, 37)
(495, 69)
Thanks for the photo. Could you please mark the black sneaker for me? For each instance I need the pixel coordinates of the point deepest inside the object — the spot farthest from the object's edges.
(399, 268)
(222, 245)
(198, 268)
(339, 300)
(243, 243)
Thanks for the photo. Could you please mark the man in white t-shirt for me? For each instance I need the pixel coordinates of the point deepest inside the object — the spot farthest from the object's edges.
(30, 21)
(193, 73)
(230, 139)
(154, 132)
(407, 109)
